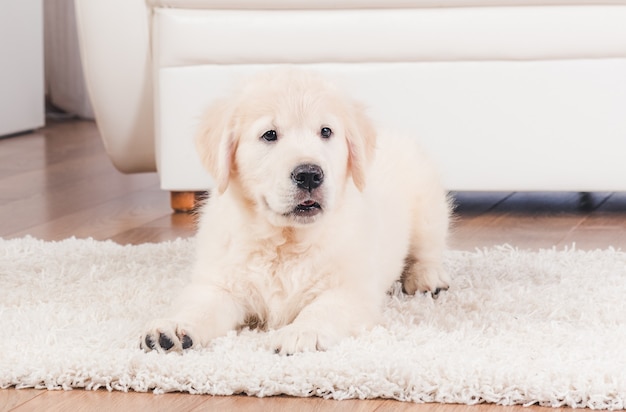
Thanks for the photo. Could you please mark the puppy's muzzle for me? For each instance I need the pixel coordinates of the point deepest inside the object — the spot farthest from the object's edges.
(307, 177)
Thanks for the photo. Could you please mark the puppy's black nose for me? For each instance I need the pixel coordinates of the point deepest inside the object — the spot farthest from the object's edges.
(307, 176)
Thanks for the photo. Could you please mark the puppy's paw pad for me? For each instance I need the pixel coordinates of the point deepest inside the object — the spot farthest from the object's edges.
(166, 336)
(187, 341)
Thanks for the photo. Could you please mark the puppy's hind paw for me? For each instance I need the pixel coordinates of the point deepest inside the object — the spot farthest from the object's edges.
(425, 280)
(435, 293)
(166, 336)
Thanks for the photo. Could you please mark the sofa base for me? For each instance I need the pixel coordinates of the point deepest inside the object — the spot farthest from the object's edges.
(491, 126)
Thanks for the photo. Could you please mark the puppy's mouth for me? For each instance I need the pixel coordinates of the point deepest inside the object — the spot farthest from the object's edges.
(305, 212)
(307, 208)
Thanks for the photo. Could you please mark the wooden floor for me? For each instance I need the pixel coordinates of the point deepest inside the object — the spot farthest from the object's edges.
(58, 182)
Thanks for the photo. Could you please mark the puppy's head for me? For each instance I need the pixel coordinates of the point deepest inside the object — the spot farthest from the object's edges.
(288, 143)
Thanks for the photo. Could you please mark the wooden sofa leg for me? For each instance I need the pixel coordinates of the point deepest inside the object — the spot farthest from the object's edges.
(185, 202)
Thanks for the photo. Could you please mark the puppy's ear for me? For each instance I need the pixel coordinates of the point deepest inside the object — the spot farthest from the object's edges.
(361, 137)
(216, 142)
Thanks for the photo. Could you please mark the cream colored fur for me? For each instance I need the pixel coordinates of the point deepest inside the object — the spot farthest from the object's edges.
(316, 278)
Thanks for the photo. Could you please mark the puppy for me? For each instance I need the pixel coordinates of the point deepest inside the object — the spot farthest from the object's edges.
(313, 217)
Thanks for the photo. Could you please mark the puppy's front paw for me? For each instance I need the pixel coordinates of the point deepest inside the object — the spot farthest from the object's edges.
(425, 279)
(166, 335)
(295, 338)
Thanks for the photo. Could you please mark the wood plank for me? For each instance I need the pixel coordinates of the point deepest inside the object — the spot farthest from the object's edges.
(11, 398)
(169, 227)
(84, 194)
(605, 226)
(75, 174)
(524, 220)
(284, 403)
(54, 177)
(472, 211)
(55, 143)
(104, 220)
(101, 400)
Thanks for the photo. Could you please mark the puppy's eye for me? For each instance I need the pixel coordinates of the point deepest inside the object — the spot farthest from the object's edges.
(326, 132)
(270, 136)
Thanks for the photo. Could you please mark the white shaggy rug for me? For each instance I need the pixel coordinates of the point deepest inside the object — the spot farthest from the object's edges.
(545, 328)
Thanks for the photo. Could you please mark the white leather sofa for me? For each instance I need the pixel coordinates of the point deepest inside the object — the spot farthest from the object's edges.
(506, 94)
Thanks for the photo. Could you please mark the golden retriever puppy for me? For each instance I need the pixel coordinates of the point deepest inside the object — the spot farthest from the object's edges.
(313, 218)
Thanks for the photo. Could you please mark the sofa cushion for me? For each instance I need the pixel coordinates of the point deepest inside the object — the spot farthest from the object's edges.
(364, 4)
(191, 37)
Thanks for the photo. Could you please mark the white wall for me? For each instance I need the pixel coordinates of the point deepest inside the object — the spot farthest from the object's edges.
(21, 66)
(65, 82)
